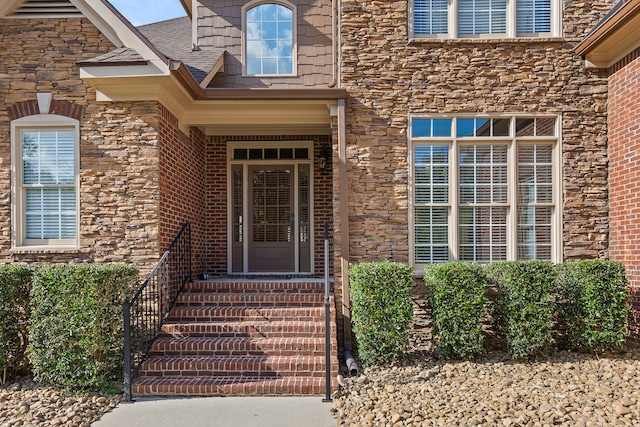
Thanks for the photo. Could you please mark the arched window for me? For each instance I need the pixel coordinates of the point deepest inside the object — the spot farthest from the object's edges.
(269, 35)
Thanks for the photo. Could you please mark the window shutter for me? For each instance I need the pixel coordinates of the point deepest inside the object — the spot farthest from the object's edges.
(533, 16)
(430, 17)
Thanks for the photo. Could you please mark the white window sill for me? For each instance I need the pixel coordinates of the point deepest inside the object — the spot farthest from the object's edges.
(488, 40)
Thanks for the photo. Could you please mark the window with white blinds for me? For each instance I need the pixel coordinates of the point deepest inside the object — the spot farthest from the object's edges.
(473, 18)
(484, 189)
(46, 192)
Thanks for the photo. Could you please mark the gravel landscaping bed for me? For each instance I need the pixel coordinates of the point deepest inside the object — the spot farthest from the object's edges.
(569, 389)
(24, 403)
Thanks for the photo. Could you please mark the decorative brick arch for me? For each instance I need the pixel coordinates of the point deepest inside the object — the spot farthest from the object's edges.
(31, 108)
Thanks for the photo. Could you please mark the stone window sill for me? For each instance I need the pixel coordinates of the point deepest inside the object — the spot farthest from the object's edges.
(528, 40)
(42, 250)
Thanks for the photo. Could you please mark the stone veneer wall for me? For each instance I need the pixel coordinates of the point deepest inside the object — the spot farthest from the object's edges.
(216, 154)
(624, 177)
(182, 186)
(119, 173)
(390, 76)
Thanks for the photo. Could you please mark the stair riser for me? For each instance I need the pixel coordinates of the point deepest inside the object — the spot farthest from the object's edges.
(257, 287)
(293, 386)
(255, 300)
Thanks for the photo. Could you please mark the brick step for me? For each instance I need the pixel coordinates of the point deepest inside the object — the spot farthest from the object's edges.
(248, 287)
(256, 329)
(232, 386)
(234, 366)
(256, 299)
(238, 314)
(169, 346)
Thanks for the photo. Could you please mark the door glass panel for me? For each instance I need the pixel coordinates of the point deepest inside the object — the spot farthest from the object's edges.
(271, 205)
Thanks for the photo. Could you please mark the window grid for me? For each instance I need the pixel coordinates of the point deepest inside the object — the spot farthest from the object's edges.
(489, 218)
(269, 40)
(48, 184)
(431, 200)
(472, 18)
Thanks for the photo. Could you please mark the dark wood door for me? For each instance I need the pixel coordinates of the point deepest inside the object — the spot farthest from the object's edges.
(271, 212)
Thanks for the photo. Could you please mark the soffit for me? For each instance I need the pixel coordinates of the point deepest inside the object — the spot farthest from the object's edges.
(616, 35)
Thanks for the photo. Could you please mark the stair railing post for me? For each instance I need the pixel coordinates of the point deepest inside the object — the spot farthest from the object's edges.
(327, 316)
(126, 314)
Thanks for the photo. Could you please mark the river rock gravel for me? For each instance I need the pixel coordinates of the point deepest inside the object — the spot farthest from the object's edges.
(566, 389)
(26, 404)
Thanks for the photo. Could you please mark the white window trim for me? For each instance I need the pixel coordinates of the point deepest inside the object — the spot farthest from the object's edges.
(294, 27)
(452, 19)
(19, 242)
(453, 142)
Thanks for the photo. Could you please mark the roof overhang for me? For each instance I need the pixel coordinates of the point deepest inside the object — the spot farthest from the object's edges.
(613, 38)
(220, 111)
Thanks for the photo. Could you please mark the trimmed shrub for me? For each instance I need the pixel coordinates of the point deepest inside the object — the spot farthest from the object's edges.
(382, 310)
(594, 303)
(524, 312)
(15, 286)
(459, 303)
(76, 324)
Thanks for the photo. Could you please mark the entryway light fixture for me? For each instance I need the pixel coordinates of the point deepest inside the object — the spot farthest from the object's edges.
(323, 158)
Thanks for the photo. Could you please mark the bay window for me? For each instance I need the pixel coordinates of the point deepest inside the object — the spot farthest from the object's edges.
(485, 189)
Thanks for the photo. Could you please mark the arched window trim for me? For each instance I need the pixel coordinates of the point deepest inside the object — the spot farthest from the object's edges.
(294, 26)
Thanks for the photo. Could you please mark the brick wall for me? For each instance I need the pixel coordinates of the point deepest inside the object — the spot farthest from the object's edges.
(624, 178)
(182, 189)
(119, 173)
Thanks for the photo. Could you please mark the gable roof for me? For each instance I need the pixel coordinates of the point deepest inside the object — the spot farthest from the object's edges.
(173, 39)
(617, 34)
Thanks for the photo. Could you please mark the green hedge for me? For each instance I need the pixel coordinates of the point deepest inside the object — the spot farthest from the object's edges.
(525, 309)
(594, 303)
(458, 305)
(382, 310)
(15, 310)
(76, 324)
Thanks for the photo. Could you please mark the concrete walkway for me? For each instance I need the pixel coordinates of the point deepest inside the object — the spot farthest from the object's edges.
(221, 411)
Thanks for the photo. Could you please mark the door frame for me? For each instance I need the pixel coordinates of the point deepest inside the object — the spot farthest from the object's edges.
(245, 163)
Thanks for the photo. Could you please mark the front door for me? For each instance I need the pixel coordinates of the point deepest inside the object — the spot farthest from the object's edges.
(271, 231)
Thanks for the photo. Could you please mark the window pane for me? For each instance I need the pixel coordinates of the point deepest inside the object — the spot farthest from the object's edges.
(431, 128)
(482, 17)
(483, 174)
(48, 157)
(430, 17)
(533, 16)
(431, 174)
(269, 39)
(535, 173)
(50, 213)
(483, 234)
(431, 235)
(534, 233)
(535, 127)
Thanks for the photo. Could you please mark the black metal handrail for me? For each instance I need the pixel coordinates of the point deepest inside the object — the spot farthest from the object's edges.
(149, 307)
(327, 316)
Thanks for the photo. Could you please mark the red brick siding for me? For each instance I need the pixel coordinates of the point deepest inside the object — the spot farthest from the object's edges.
(216, 253)
(182, 190)
(624, 178)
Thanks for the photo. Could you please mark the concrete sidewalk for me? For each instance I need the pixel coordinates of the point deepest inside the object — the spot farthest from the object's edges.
(221, 411)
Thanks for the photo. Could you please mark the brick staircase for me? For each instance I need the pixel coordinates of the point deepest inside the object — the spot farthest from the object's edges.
(244, 337)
